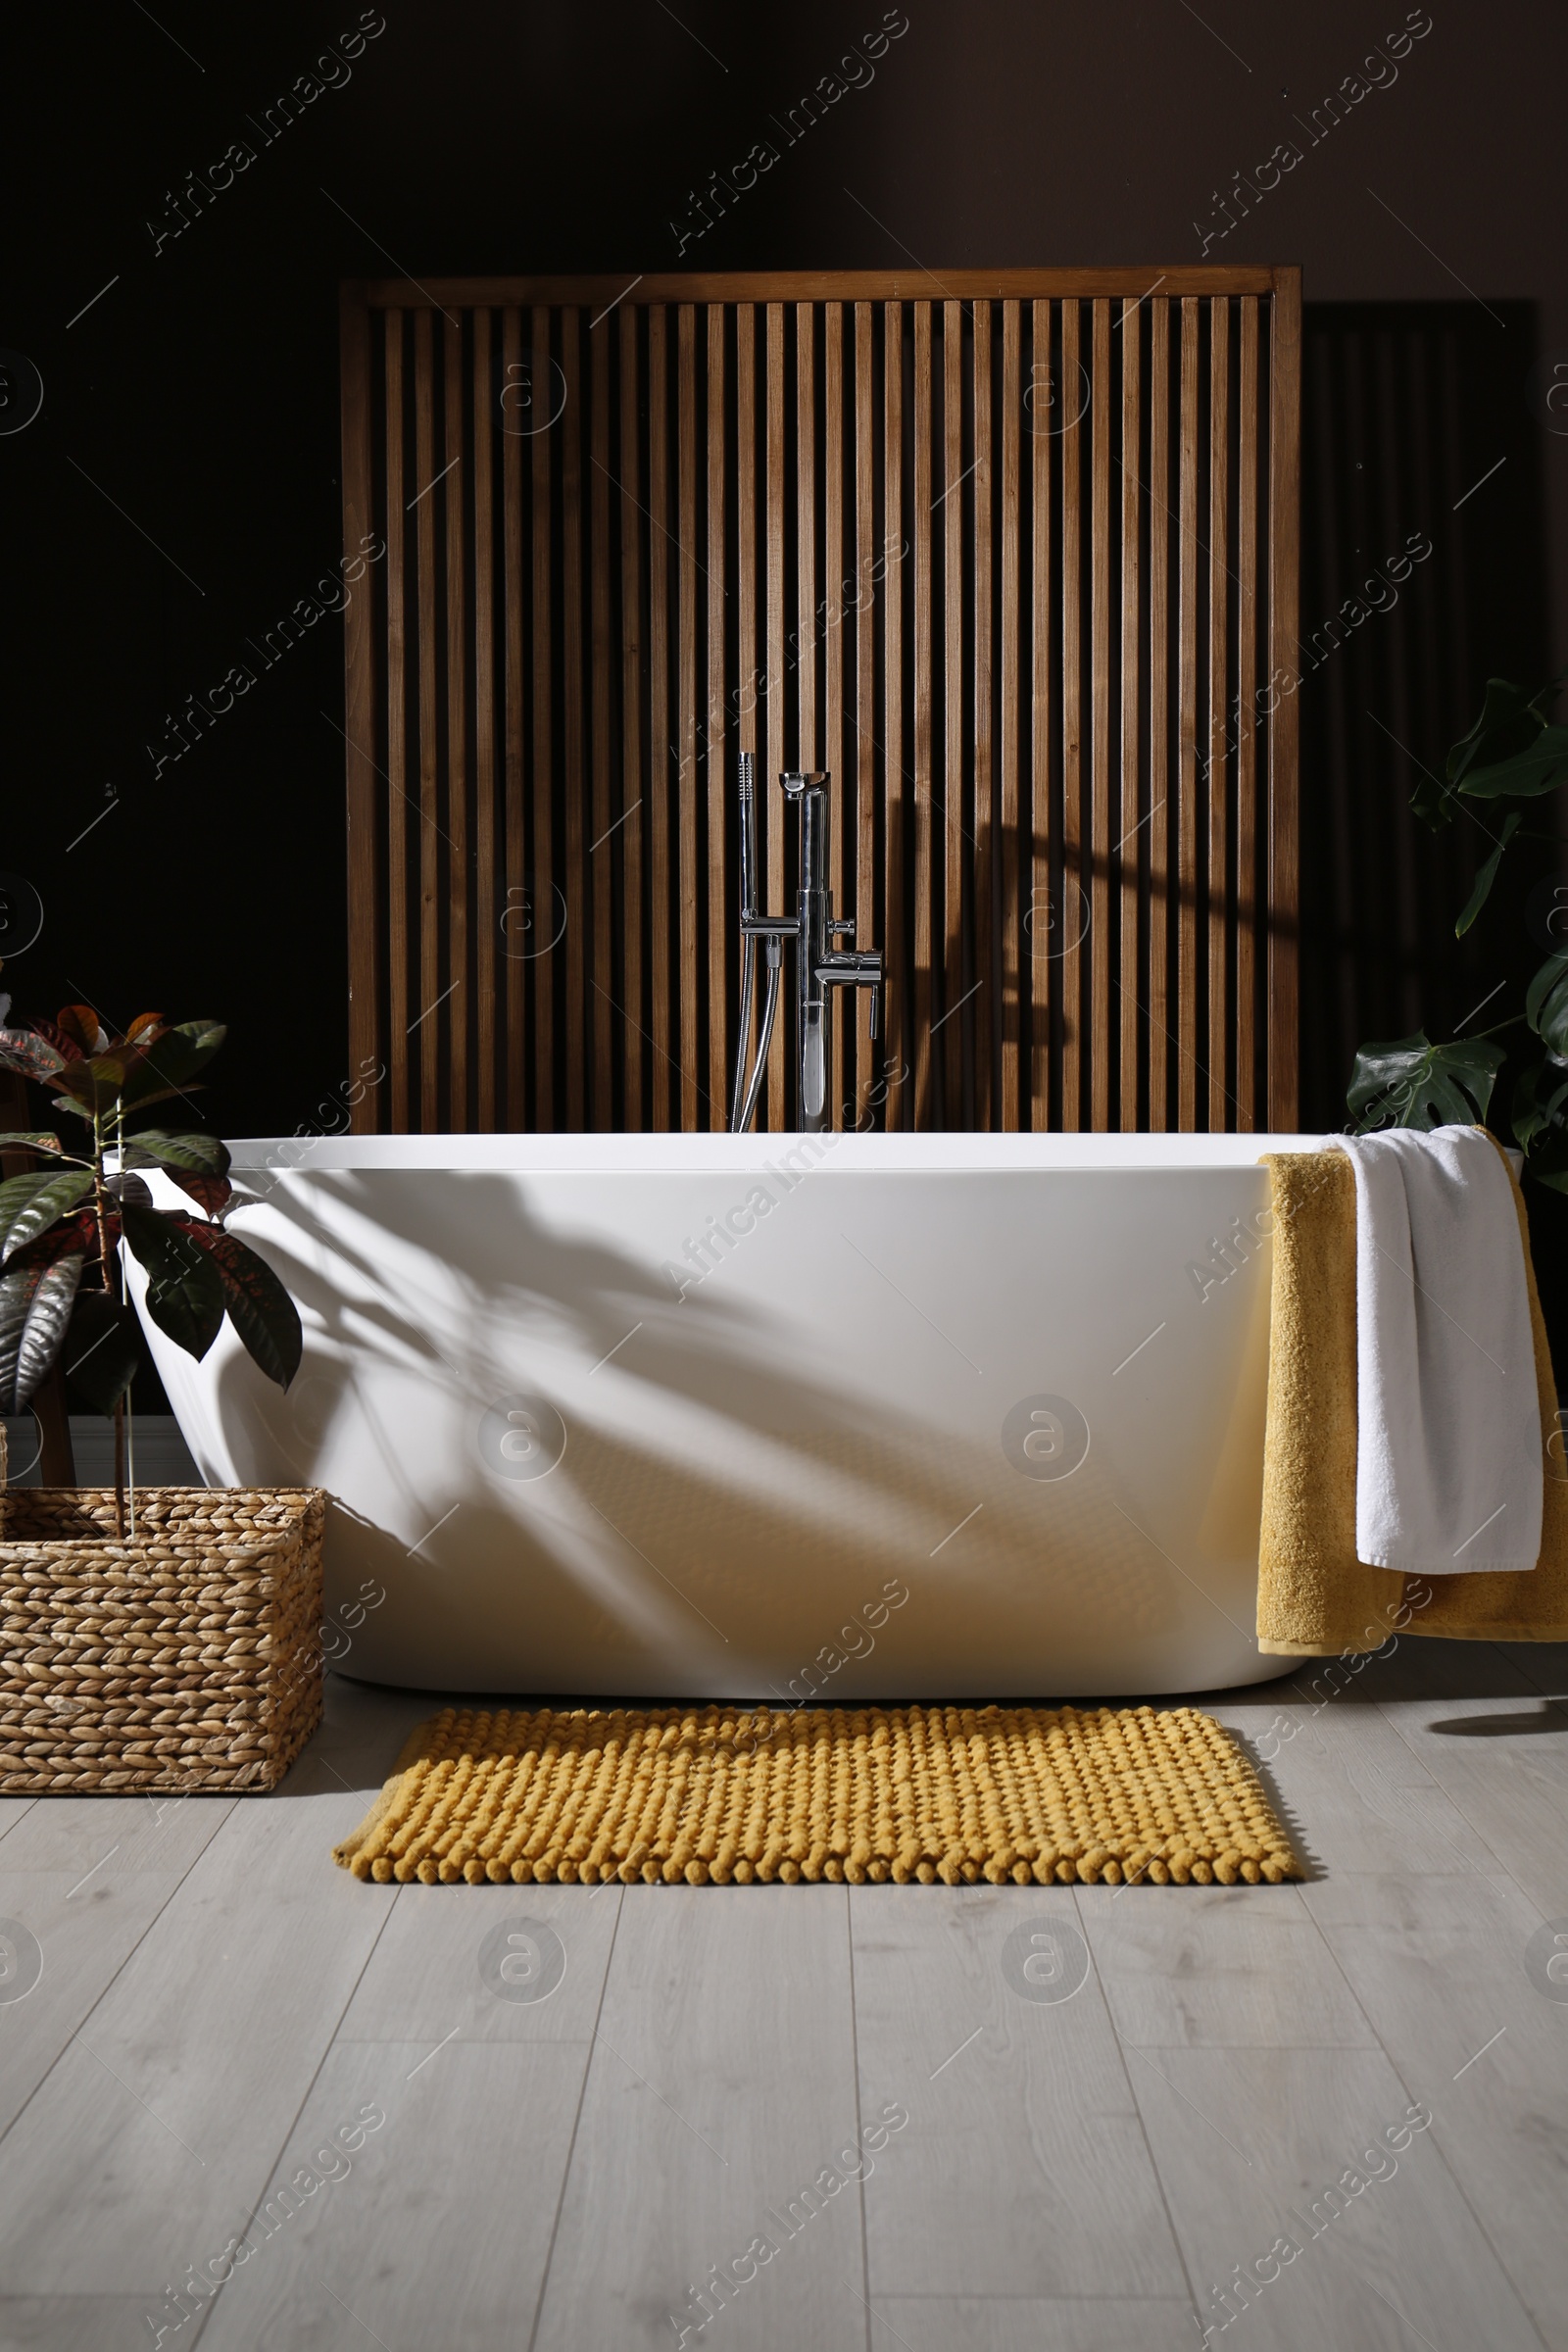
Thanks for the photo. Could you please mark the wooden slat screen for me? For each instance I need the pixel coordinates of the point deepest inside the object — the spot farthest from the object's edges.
(1013, 553)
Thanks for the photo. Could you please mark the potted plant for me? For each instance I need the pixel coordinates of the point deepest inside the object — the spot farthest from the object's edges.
(1497, 774)
(172, 1646)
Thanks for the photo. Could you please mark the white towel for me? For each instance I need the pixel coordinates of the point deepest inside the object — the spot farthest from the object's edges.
(1449, 1462)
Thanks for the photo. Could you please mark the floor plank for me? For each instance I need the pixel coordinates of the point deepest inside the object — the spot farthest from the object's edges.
(1441, 1967)
(722, 2088)
(162, 2120)
(1248, 2141)
(73, 2323)
(983, 2069)
(1219, 1967)
(434, 2231)
(1503, 1761)
(425, 1977)
(86, 1877)
(1352, 1792)
(993, 2323)
(11, 1810)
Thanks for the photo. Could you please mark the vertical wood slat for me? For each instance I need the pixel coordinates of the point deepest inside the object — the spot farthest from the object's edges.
(1188, 1045)
(426, 1023)
(1045, 981)
(865, 589)
(396, 743)
(485, 936)
(897, 1024)
(456, 1012)
(747, 664)
(510, 916)
(601, 854)
(803, 636)
(808, 751)
(954, 1015)
(834, 617)
(658, 771)
(780, 1099)
(1218, 886)
(1284, 526)
(1100, 853)
(1247, 721)
(984, 1000)
(921, 825)
(508, 722)
(573, 811)
(633, 791)
(720, 905)
(1160, 893)
(541, 909)
(1129, 819)
(1011, 970)
(1077, 906)
(686, 775)
(364, 864)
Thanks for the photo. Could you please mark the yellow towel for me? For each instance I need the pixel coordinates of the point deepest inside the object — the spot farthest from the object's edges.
(1315, 1597)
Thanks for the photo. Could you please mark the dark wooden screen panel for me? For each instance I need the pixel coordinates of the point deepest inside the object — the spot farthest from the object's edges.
(1014, 555)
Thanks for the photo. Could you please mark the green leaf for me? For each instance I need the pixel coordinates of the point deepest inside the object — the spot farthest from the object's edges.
(184, 1295)
(155, 1148)
(169, 1065)
(78, 1232)
(1510, 719)
(35, 1305)
(103, 1350)
(197, 1163)
(33, 1056)
(1488, 875)
(258, 1306)
(1540, 1099)
(30, 1203)
(1547, 1004)
(33, 1138)
(1525, 774)
(212, 1194)
(93, 1083)
(1551, 1168)
(1412, 1083)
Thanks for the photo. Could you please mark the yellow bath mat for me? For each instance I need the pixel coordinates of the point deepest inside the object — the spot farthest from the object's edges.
(1031, 1795)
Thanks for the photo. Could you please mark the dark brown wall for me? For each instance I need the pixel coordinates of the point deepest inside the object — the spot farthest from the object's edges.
(178, 490)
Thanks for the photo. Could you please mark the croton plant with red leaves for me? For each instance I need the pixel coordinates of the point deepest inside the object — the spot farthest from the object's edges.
(61, 1225)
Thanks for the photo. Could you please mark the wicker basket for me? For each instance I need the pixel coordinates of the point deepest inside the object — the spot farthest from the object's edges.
(185, 1657)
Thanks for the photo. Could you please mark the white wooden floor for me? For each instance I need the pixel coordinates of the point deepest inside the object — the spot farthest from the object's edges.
(217, 2004)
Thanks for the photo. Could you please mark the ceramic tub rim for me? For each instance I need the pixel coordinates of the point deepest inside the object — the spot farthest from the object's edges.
(708, 1155)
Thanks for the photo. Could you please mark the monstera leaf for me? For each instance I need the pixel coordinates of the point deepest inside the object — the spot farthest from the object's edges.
(1539, 1103)
(1540, 766)
(1488, 875)
(1413, 1083)
(1546, 1004)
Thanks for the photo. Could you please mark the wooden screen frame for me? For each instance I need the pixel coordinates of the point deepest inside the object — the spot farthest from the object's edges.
(484, 728)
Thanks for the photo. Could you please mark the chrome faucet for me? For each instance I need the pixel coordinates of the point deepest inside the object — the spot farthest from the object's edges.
(819, 966)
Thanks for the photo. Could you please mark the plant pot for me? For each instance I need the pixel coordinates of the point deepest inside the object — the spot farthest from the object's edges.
(185, 1657)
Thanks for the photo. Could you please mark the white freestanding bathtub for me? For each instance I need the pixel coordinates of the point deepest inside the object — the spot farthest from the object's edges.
(861, 1416)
